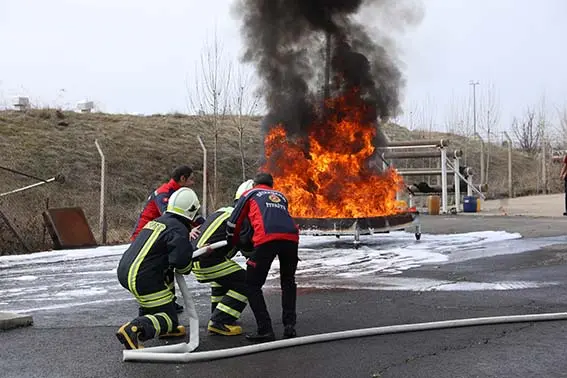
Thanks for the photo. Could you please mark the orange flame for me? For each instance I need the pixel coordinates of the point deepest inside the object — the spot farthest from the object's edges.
(327, 174)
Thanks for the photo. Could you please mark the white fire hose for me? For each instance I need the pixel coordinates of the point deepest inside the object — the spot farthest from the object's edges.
(182, 352)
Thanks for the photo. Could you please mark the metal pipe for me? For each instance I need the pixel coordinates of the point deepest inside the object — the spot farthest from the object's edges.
(23, 174)
(422, 171)
(418, 154)
(457, 181)
(482, 174)
(420, 143)
(53, 179)
(102, 212)
(444, 181)
(204, 205)
(184, 357)
(470, 186)
(510, 191)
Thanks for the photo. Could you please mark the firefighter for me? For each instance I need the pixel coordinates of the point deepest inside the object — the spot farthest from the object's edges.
(226, 277)
(274, 234)
(156, 204)
(162, 246)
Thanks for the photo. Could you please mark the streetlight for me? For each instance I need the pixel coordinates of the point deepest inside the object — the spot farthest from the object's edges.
(474, 84)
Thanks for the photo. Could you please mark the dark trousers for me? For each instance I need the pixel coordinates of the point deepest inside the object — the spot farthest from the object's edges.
(257, 268)
(156, 321)
(566, 196)
(233, 290)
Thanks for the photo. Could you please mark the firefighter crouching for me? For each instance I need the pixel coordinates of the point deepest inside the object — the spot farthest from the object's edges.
(226, 277)
(162, 244)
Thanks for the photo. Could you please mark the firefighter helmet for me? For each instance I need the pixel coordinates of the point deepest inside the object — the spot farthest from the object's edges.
(184, 202)
(246, 185)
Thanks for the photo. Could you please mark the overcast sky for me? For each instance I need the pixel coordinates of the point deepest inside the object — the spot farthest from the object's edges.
(136, 56)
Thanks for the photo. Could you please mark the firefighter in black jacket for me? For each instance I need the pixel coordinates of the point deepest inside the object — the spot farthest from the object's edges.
(227, 278)
(162, 244)
(275, 234)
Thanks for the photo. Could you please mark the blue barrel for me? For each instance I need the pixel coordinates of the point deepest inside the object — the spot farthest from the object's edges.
(469, 204)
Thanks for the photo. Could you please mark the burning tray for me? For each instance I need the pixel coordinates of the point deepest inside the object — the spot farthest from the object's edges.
(359, 226)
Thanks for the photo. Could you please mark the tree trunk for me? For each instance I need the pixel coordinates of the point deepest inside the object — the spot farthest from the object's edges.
(215, 163)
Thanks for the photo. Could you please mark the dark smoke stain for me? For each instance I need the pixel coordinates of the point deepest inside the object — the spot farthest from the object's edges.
(285, 40)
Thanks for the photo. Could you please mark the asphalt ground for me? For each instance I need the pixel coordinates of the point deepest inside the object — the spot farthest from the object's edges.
(81, 342)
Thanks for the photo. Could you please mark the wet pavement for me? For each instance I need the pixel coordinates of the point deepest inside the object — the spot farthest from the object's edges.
(512, 269)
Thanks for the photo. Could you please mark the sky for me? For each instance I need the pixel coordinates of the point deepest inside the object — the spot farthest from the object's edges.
(140, 56)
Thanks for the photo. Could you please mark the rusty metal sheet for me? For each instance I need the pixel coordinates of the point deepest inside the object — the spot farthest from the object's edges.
(68, 228)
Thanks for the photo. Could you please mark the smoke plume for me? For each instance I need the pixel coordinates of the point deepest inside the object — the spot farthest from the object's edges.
(287, 42)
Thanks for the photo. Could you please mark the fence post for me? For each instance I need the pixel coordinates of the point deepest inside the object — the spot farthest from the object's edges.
(510, 190)
(204, 206)
(102, 215)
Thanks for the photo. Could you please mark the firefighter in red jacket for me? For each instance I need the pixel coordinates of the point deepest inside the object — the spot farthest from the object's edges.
(156, 202)
(162, 245)
(275, 234)
(156, 205)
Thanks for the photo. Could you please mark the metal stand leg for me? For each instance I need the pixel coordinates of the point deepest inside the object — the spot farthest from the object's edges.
(418, 231)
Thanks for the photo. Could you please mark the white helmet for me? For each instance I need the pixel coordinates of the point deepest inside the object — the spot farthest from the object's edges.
(246, 185)
(184, 202)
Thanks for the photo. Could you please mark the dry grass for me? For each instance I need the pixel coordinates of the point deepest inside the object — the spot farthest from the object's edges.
(140, 153)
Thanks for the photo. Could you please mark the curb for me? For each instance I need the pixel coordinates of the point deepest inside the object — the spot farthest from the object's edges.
(10, 320)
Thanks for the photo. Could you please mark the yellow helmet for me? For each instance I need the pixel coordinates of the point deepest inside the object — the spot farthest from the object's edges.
(184, 202)
(246, 185)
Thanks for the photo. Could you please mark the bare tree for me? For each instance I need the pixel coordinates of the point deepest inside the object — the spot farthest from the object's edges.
(562, 115)
(489, 118)
(211, 96)
(527, 132)
(245, 104)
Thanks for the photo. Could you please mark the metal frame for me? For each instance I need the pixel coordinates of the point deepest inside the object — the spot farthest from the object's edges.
(446, 167)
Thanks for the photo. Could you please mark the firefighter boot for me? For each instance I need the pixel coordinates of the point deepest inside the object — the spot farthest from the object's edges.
(128, 335)
(224, 329)
(289, 332)
(178, 332)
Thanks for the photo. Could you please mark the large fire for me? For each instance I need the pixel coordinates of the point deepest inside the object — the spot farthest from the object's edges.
(327, 173)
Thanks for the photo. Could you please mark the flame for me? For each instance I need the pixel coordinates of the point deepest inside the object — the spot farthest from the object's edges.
(327, 174)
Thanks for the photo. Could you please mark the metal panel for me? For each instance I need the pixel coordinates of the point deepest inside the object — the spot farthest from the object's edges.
(68, 228)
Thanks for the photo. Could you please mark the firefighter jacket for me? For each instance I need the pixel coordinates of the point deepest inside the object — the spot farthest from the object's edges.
(267, 211)
(156, 204)
(214, 230)
(161, 245)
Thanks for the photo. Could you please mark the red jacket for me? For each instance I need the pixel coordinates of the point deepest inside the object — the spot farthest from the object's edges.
(156, 204)
(267, 211)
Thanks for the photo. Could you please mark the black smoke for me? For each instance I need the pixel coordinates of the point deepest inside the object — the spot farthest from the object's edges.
(286, 41)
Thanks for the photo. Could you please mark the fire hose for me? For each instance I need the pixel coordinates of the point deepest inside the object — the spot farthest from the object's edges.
(183, 352)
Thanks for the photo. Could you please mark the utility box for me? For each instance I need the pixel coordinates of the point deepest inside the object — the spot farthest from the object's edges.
(85, 106)
(21, 103)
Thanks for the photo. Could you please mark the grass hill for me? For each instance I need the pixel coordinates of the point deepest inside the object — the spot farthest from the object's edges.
(140, 153)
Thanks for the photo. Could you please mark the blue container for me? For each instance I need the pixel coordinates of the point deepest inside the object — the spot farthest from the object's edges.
(469, 204)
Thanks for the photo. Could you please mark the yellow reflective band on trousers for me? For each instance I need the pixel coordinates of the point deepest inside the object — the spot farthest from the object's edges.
(159, 298)
(224, 308)
(213, 272)
(155, 323)
(211, 229)
(135, 267)
(167, 320)
(237, 296)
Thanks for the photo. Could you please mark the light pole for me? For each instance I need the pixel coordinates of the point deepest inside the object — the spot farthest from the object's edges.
(474, 84)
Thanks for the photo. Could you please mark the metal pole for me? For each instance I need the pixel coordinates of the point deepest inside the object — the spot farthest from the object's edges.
(204, 206)
(457, 182)
(474, 84)
(510, 191)
(543, 166)
(481, 158)
(444, 180)
(28, 187)
(102, 216)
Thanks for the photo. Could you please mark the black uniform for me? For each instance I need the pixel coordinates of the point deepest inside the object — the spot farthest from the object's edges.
(227, 278)
(145, 270)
